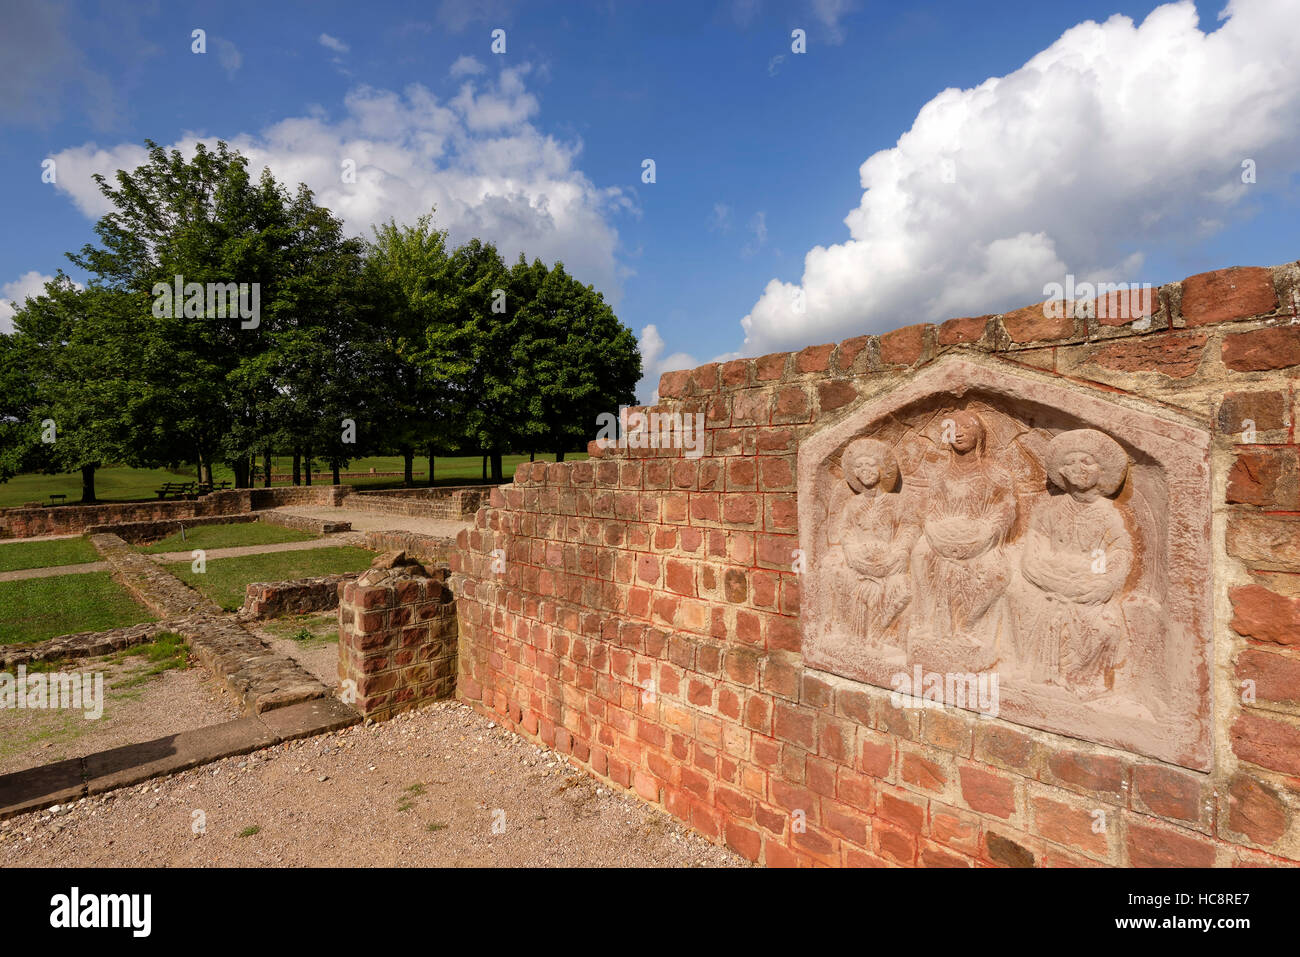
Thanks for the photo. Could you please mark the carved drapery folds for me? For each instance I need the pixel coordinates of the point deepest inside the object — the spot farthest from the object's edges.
(979, 521)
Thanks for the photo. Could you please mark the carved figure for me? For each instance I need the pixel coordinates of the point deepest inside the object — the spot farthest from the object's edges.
(1077, 554)
(876, 530)
(959, 568)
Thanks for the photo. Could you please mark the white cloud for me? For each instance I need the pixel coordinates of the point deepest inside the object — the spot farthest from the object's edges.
(829, 13)
(467, 66)
(228, 56)
(477, 158)
(333, 43)
(30, 283)
(1115, 139)
(655, 363)
(720, 218)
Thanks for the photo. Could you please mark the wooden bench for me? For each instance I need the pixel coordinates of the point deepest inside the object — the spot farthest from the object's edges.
(175, 489)
(58, 498)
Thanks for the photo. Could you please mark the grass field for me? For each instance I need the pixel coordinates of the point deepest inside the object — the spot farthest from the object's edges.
(38, 608)
(59, 551)
(226, 536)
(121, 484)
(225, 579)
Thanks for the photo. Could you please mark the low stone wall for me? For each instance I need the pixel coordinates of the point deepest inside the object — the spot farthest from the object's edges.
(75, 519)
(331, 495)
(303, 523)
(429, 549)
(134, 533)
(450, 502)
(152, 585)
(397, 638)
(85, 644)
(298, 597)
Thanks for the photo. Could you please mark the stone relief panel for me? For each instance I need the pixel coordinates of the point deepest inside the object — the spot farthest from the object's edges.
(976, 528)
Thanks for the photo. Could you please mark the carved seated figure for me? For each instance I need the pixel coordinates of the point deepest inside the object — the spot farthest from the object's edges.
(1069, 618)
(875, 531)
(959, 567)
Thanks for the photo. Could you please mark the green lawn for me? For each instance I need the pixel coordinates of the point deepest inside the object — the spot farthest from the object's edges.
(59, 551)
(113, 484)
(227, 536)
(225, 579)
(121, 484)
(38, 608)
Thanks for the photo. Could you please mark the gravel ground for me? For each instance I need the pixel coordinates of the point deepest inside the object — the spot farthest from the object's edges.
(162, 704)
(421, 790)
(363, 521)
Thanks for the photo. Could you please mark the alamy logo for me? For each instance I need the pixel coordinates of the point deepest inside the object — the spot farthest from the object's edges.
(103, 910)
(935, 689)
(213, 300)
(53, 690)
(1115, 300)
(654, 430)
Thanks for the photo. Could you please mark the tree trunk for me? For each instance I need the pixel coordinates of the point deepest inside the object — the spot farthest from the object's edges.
(532, 456)
(88, 483)
(207, 471)
(485, 458)
(496, 467)
(431, 482)
(408, 466)
(559, 456)
(308, 463)
(335, 464)
(240, 468)
(297, 467)
(266, 467)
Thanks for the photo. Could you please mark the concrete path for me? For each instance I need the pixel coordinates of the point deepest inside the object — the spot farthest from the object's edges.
(363, 521)
(53, 570)
(328, 541)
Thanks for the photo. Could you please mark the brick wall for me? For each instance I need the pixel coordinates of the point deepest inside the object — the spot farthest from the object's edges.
(451, 502)
(74, 519)
(297, 597)
(639, 612)
(397, 638)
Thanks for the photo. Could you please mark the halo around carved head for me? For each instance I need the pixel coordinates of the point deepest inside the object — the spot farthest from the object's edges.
(1105, 451)
(879, 454)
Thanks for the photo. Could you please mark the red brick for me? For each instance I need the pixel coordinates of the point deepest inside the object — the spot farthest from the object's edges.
(987, 792)
(908, 813)
(1122, 307)
(1031, 324)
(1267, 411)
(835, 394)
(1262, 349)
(1176, 355)
(771, 366)
(922, 773)
(1255, 810)
(1264, 615)
(745, 841)
(849, 350)
(893, 844)
(1276, 677)
(1267, 477)
(1270, 744)
(933, 855)
(1071, 826)
(1092, 772)
(1168, 793)
(1226, 294)
(903, 346)
(955, 331)
(813, 358)
(797, 726)
(1165, 847)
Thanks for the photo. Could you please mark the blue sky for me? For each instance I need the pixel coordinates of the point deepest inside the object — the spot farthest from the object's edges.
(1115, 154)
